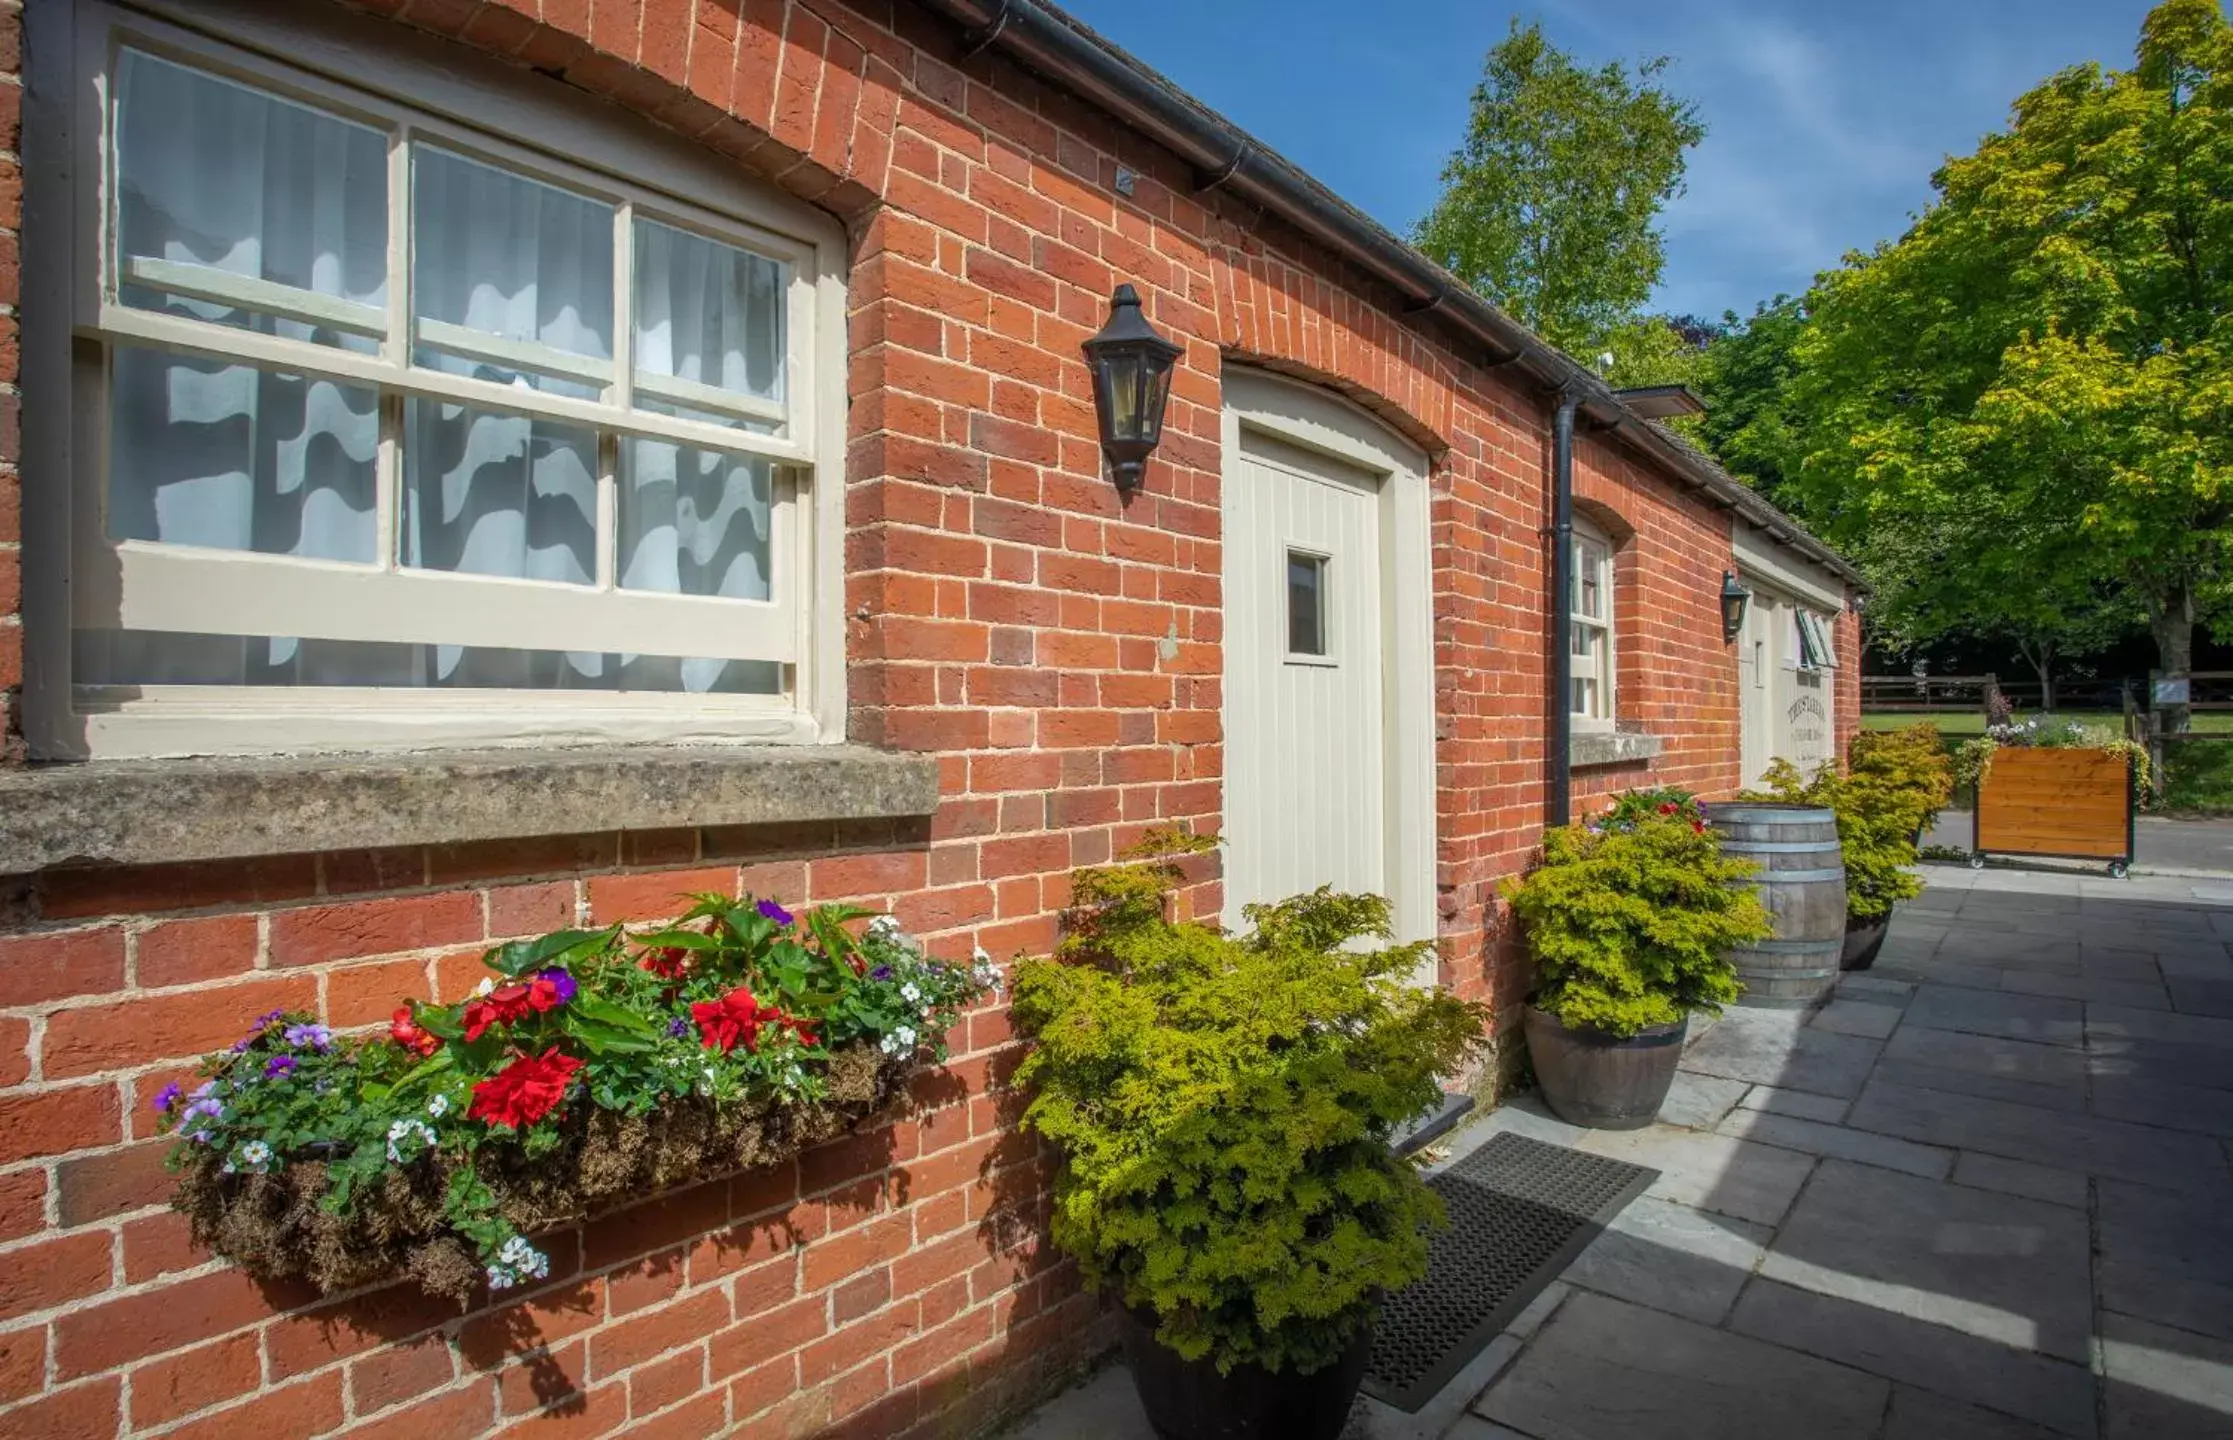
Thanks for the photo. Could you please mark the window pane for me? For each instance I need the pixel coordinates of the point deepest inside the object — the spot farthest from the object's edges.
(513, 261)
(495, 494)
(1306, 604)
(708, 314)
(1589, 566)
(215, 180)
(694, 522)
(141, 657)
(1585, 697)
(204, 453)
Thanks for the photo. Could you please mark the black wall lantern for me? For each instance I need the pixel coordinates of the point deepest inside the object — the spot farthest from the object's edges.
(1131, 367)
(1735, 598)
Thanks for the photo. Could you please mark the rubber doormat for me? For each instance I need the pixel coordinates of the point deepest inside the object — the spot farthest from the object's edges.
(1520, 1210)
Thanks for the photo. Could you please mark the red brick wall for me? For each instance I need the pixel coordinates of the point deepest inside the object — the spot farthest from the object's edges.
(1005, 612)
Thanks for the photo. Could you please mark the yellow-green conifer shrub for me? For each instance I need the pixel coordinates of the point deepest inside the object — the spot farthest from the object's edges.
(1631, 927)
(1221, 1106)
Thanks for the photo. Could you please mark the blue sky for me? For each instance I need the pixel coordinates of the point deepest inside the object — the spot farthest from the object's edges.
(1825, 118)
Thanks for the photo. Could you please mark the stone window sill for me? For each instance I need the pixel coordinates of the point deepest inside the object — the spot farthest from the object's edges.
(148, 812)
(1612, 747)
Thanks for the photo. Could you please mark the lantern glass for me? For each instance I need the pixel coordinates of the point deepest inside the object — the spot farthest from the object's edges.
(1131, 368)
(1735, 600)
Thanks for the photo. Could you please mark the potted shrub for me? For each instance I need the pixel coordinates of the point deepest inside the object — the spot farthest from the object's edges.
(1894, 784)
(589, 1068)
(1630, 919)
(1221, 1107)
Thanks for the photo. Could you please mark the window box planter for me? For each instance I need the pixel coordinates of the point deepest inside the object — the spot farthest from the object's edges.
(591, 1069)
(2051, 801)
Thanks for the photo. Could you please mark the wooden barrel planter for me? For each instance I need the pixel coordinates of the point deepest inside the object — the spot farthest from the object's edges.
(1802, 882)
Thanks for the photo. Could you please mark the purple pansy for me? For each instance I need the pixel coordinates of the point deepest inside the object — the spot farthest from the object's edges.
(562, 982)
(166, 1097)
(318, 1037)
(775, 912)
(277, 1066)
(678, 1027)
(881, 972)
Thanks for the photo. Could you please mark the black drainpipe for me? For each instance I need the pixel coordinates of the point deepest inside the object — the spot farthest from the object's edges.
(1562, 624)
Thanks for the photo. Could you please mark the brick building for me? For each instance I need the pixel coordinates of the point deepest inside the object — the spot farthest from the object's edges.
(472, 468)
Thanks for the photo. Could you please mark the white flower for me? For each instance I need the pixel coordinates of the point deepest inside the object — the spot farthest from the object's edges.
(500, 1278)
(256, 1155)
(488, 983)
(884, 927)
(910, 994)
(439, 1106)
(523, 1258)
(409, 1128)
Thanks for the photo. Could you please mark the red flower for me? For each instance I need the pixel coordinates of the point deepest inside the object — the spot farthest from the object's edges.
(1668, 808)
(1698, 827)
(500, 1006)
(671, 963)
(737, 1019)
(524, 1091)
(403, 1028)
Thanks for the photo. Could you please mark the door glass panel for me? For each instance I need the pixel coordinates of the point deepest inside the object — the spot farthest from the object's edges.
(1306, 603)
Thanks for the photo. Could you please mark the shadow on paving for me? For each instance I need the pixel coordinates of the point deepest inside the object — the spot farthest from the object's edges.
(1983, 1193)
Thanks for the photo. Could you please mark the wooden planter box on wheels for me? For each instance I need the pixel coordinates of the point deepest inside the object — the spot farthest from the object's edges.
(2065, 803)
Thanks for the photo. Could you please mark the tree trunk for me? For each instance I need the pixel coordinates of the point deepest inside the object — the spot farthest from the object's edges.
(2173, 624)
(2041, 657)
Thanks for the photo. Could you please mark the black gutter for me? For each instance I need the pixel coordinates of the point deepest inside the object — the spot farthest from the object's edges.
(1559, 800)
(1225, 157)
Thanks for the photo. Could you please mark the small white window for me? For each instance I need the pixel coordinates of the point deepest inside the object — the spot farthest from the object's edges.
(1813, 641)
(1307, 577)
(391, 430)
(1590, 615)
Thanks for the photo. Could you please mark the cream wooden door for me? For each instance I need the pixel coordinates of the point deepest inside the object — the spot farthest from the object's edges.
(1305, 679)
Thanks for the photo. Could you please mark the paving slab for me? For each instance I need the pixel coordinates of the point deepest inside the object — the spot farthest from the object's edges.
(2119, 1022)
(1778, 1101)
(2012, 1017)
(1673, 1258)
(2053, 1393)
(2209, 1066)
(2164, 1382)
(2134, 994)
(2021, 1177)
(2167, 1258)
(2070, 1100)
(2197, 995)
(1920, 1415)
(1994, 1266)
(1777, 1047)
(1710, 1172)
(1854, 1015)
(1698, 1102)
(1990, 1055)
(2164, 1158)
(2157, 1102)
(1816, 1138)
(1106, 1407)
(1607, 1370)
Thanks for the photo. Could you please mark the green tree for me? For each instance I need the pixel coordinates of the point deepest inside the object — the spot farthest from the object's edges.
(2026, 397)
(1744, 376)
(1549, 206)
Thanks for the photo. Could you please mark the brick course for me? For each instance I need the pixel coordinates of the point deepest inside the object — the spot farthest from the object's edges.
(1004, 611)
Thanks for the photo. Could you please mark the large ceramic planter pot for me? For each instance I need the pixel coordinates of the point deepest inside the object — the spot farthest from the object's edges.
(1603, 1081)
(1863, 938)
(1189, 1400)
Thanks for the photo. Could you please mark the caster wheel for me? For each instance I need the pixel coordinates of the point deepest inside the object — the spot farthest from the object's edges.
(1976, 862)
(2118, 870)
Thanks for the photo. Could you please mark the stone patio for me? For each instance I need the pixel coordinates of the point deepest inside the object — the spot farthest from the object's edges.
(1984, 1193)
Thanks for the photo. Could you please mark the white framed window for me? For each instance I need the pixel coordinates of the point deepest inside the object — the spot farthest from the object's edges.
(388, 429)
(1590, 626)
